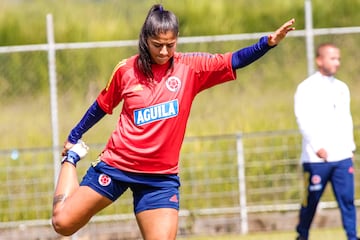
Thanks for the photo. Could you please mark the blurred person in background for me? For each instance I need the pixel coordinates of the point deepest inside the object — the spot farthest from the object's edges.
(157, 87)
(322, 111)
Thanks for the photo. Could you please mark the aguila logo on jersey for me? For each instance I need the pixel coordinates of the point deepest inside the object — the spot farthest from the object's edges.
(173, 84)
(156, 112)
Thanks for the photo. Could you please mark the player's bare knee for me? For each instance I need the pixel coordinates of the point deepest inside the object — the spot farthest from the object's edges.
(62, 227)
(61, 223)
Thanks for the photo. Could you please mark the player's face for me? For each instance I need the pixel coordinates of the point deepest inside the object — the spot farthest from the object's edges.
(329, 61)
(162, 47)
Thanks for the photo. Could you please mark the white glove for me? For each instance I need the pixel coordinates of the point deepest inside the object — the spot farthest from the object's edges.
(77, 152)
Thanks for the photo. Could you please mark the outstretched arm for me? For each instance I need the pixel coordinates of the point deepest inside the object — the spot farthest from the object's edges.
(281, 32)
(246, 56)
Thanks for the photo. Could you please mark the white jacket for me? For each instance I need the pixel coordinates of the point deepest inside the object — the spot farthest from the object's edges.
(322, 111)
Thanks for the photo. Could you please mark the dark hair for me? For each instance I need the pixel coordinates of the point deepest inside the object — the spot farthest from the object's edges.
(157, 21)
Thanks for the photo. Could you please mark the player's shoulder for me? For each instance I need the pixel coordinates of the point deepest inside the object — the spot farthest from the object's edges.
(341, 85)
(308, 85)
(200, 58)
(125, 64)
(192, 55)
(340, 82)
(310, 80)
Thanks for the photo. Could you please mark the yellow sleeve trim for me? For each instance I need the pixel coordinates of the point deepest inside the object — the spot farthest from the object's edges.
(119, 65)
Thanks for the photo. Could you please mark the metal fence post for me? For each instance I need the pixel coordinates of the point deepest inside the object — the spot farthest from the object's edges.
(53, 94)
(309, 36)
(242, 184)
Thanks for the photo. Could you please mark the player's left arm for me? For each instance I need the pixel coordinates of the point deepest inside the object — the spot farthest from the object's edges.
(246, 56)
(276, 37)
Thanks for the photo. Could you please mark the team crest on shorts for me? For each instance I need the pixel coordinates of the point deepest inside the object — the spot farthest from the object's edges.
(173, 84)
(104, 180)
(315, 183)
(316, 179)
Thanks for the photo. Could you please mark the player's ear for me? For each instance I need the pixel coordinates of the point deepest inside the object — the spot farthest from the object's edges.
(318, 61)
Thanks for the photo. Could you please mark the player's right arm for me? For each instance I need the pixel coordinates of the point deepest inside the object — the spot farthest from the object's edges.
(90, 118)
(106, 101)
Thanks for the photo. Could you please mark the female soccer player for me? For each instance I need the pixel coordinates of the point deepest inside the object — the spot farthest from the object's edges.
(157, 87)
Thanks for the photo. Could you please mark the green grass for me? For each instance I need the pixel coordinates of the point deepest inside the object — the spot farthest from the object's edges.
(315, 234)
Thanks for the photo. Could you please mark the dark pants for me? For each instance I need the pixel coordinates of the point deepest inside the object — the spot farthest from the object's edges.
(316, 176)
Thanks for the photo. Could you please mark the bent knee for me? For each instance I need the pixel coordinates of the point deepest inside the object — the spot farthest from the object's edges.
(62, 226)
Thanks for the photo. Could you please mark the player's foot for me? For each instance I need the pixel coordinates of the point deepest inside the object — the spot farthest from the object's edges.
(300, 238)
(77, 152)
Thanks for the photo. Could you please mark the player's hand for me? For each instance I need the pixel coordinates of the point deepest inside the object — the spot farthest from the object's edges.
(67, 146)
(80, 149)
(322, 154)
(280, 33)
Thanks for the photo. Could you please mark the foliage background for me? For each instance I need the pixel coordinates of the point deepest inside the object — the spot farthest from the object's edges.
(260, 100)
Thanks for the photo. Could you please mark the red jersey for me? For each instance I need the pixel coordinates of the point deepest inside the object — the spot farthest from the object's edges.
(152, 123)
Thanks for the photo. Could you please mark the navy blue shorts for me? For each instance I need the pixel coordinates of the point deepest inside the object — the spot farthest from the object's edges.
(150, 191)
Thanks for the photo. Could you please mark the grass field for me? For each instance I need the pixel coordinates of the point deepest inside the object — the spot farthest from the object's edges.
(261, 100)
(316, 234)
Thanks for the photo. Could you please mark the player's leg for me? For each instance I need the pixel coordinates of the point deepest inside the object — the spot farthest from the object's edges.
(72, 211)
(343, 186)
(316, 176)
(156, 206)
(67, 180)
(158, 224)
(73, 205)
